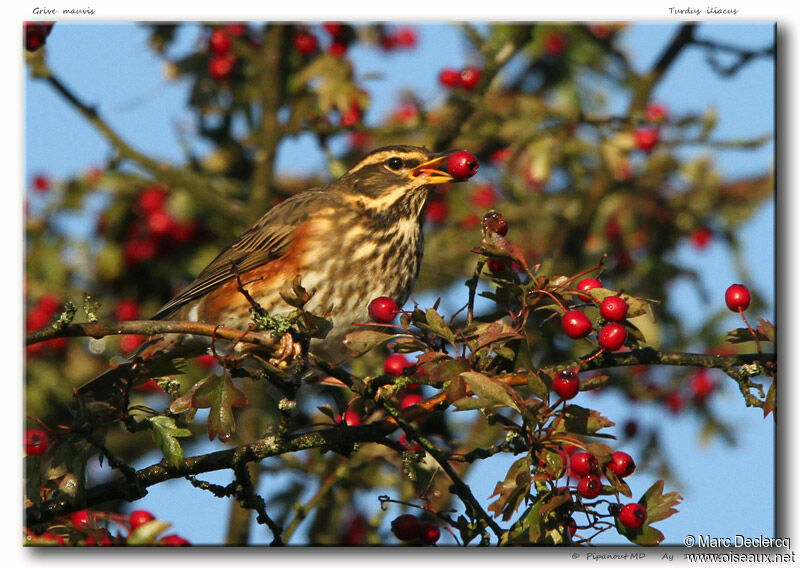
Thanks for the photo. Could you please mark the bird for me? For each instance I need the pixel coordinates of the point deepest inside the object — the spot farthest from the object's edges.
(347, 243)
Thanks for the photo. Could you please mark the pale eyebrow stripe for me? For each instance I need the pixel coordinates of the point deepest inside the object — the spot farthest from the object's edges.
(383, 156)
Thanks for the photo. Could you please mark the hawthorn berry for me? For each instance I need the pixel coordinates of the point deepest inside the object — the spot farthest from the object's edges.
(462, 165)
(410, 400)
(152, 199)
(383, 309)
(469, 77)
(494, 222)
(437, 211)
(449, 77)
(207, 360)
(139, 517)
(621, 464)
(496, 265)
(336, 29)
(646, 138)
(36, 34)
(701, 237)
(174, 540)
(583, 463)
(572, 526)
(588, 284)
(484, 196)
(80, 519)
(737, 297)
(338, 48)
(305, 43)
(220, 67)
(36, 441)
(576, 324)
(675, 402)
(612, 336)
(406, 37)
(41, 183)
(614, 308)
(406, 527)
(655, 112)
(352, 418)
(126, 310)
(429, 533)
(701, 385)
(219, 42)
(632, 516)
(395, 364)
(566, 384)
(590, 486)
(555, 44)
(352, 116)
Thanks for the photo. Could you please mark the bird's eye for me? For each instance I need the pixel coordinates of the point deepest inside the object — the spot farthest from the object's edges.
(394, 163)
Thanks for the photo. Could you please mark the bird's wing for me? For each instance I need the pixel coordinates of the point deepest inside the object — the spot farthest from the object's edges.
(268, 239)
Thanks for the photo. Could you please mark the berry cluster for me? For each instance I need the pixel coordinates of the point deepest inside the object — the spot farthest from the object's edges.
(613, 310)
(648, 136)
(154, 230)
(466, 78)
(403, 38)
(222, 60)
(409, 528)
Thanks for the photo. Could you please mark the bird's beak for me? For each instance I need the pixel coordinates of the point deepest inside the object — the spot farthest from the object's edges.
(429, 172)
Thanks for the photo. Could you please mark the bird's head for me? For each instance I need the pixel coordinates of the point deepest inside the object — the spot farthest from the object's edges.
(396, 177)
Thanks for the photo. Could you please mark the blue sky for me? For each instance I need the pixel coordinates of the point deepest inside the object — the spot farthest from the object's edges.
(111, 65)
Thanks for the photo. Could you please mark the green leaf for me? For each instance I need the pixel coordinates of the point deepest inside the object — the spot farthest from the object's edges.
(438, 326)
(512, 490)
(643, 536)
(584, 421)
(147, 533)
(743, 335)
(359, 342)
(165, 434)
(487, 388)
(220, 395)
(537, 384)
(594, 382)
(659, 505)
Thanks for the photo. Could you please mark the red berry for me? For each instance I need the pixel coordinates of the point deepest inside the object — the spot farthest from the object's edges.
(437, 211)
(646, 138)
(494, 222)
(555, 44)
(702, 385)
(621, 464)
(41, 183)
(588, 284)
(126, 310)
(150, 386)
(614, 308)
(469, 77)
(352, 418)
(449, 78)
(334, 28)
(305, 43)
(462, 165)
(236, 30)
(174, 540)
(497, 265)
(352, 116)
(410, 400)
(484, 196)
(674, 402)
(36, 34)
(566, 384)
(395, 364)
(406, 37)
(583, 463)
(612, 336)
(700, 237)
(139, 517)
(338, 48)
(572, 526)
(80, 519)
(152, 199)
(632, 516)
(409, 444)
(131, 342)
(590, 486)
(219, 42)
(49, 304)
(655, 112)
(406, 527)
(383, 309)
(576, 324)
(206, 361)
(429, 533)
(737, 297)
(36, 441)
(221, 66)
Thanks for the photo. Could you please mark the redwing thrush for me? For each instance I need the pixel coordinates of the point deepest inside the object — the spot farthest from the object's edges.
(350, 241)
